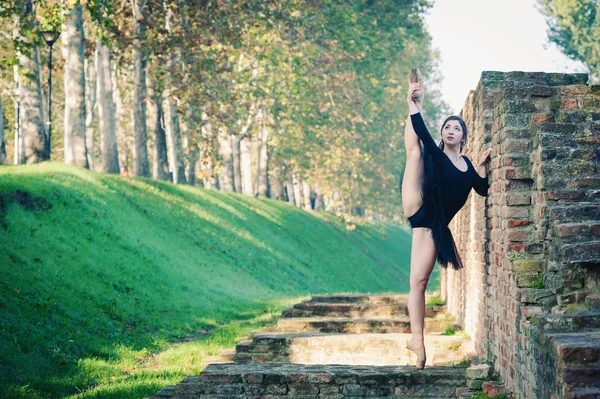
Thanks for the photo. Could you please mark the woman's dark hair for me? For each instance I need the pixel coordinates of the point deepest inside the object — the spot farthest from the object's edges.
(462, 125)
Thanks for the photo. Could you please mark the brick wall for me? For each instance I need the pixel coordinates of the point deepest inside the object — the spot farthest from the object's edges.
(533, 245)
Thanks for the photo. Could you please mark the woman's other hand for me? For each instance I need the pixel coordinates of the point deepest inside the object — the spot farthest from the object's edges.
(484, 157)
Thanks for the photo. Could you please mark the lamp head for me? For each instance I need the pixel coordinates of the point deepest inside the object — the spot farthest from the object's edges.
(50, 36)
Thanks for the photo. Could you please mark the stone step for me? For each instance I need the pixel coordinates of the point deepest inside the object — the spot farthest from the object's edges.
(361, 298)
(584, 393)
(400, 324)
(575, 211)
(350, 349)
(576, 348)
(355, 310)
(582, 252)
(167, 392)
(584, 321)
(581, 376)
(244, 381)
(577, 232)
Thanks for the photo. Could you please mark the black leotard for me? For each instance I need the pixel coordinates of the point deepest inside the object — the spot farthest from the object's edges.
(456, 184)
(452, 188)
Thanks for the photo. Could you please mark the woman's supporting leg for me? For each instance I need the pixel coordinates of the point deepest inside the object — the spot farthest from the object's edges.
(422, 260)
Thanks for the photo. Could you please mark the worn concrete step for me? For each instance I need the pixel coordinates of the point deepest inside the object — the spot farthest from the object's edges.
(580, 322)
(400, 324)
(355, 310)
(225, 356)
(350, 349)
(361, 298)
(244, 381)
(576, 348)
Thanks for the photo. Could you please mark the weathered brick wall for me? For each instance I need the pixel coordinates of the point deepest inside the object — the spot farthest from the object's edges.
(530, 247)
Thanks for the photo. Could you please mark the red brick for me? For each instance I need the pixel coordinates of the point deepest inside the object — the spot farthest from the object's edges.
(320, 378)
(569, 103)
(518, 199)
(518, 247)
(254, 378)
(517, 235)
(540, 118)
(588, 140)
(515, 174)
(573, 90)
(517, 223)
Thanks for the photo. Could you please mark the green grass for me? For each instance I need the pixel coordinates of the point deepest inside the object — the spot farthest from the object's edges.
(435, 300)
(102, 276)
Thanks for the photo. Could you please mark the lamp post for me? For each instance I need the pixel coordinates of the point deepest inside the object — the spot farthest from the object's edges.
(49, 37)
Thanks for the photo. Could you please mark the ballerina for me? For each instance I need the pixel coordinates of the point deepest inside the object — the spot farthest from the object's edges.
(435, 186)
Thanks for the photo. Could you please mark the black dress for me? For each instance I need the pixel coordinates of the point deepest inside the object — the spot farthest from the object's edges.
(444, 191)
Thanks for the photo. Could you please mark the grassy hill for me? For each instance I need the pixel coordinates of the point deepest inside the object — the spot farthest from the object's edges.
(113, 287)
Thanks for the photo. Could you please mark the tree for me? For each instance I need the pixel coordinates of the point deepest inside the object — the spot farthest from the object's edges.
(140, 150)
(74, 80)
(29, 88)
(574, 27)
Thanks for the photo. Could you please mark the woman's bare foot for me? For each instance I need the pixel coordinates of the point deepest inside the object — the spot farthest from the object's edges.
(418, 347)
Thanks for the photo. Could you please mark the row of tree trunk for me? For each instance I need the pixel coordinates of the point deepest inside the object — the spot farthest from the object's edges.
(97, 100)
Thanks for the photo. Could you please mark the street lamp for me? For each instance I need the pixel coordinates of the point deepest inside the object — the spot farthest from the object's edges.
(49, 37)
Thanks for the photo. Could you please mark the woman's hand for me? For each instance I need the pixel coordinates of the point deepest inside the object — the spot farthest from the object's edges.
(412, 87)
(484, 157)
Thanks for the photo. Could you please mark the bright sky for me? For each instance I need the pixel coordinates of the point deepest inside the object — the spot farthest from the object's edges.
(490, 35)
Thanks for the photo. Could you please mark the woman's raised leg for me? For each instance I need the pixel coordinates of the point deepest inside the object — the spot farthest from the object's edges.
(413, 172)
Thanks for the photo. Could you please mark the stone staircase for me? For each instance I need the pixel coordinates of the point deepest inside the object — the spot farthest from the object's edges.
(338, 346)
(574, 341)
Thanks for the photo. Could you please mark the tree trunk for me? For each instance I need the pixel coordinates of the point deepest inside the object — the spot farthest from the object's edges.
(90, 104)
(2, 140)
(140, 149)
(74, 77)
(122, 139)
(276, 186)
(174, 142)
(227, 175)
(297, 190)
(106, 110)
(319, 204)
(290, 192)
(235, 153)
(190, 146)
(31, 115)
(225, 152)
(262, 188)
(246, 166)
(19, 153)
(306, 194)
(160, 164)
(210, 179)
(173, 131)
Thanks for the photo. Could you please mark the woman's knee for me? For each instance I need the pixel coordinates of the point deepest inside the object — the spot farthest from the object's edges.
(418, 283)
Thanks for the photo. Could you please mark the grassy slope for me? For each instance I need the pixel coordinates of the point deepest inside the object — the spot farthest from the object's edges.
(94, 290)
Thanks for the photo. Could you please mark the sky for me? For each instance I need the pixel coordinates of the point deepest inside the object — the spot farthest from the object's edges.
(490, 35)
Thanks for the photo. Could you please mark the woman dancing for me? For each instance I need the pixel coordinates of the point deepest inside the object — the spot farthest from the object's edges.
(435, 186)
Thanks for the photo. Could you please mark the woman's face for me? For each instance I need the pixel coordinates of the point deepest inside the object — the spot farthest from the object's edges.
(452, 133)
